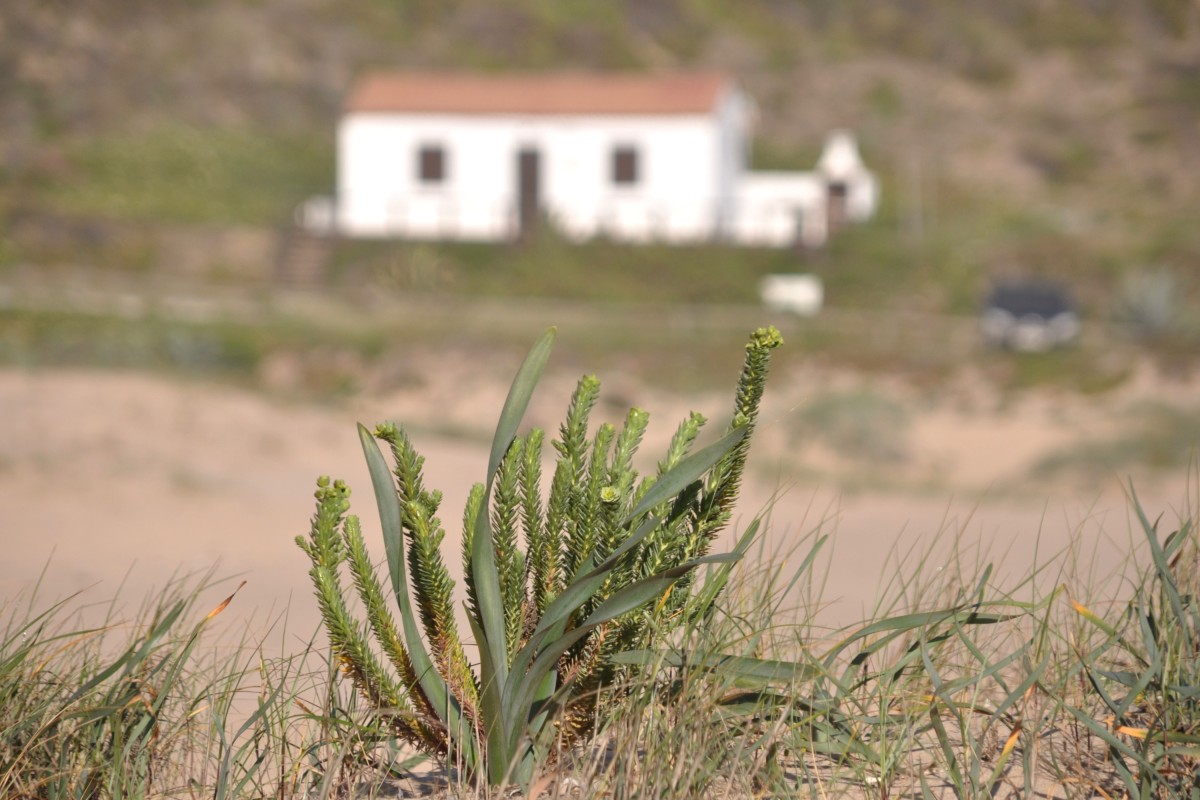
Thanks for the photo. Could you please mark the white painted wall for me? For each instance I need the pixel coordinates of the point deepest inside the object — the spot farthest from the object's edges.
(779, 209)
(677, 195)
(840, 162)
(692, 180)
(733, 121)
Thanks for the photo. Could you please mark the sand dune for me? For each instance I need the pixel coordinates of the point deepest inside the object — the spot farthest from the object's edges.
(111, 477)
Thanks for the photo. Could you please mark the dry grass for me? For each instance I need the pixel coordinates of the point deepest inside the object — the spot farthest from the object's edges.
(1057, 683)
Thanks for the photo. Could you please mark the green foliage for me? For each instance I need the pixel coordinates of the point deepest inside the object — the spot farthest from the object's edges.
(97, 706)
(547, 618)
(862, 701)
(192, 175)
(226, 346)
(67, 338)
(552, 266)
(1145, 674)
(83, 716)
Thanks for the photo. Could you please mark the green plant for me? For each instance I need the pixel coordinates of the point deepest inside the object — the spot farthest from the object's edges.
(81, 718)
(725, 715)
(547, 619)
(1145, 674)
(712, 710)
(157, 707)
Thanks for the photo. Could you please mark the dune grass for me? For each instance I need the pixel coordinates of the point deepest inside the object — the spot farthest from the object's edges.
(1051, 683)
(98, 702)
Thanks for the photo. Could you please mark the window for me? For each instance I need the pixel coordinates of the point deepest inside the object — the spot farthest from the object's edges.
(625, 166)
(431, 163)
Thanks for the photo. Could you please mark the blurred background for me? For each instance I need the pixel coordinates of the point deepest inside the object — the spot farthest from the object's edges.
(169, 389)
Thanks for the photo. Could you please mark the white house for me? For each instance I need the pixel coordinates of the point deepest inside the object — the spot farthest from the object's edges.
(632, 157)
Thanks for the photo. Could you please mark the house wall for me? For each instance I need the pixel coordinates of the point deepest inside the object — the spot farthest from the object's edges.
(687, 169)
(733, 154)
(863, 199)
(779, 209)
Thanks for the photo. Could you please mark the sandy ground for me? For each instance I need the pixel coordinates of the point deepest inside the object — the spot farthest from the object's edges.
(113, 477)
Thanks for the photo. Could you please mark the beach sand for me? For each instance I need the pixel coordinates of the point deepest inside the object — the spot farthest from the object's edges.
(116, 481)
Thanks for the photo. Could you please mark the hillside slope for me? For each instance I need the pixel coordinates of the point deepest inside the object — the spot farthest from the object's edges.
(1050, 137)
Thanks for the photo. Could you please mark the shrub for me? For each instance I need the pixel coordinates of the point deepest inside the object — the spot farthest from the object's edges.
(548, 617)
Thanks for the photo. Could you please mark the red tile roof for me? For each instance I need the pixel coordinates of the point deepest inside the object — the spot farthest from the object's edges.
(553, 93)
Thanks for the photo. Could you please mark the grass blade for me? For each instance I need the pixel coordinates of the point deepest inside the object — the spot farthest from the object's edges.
(1160, 558)
(763, 671)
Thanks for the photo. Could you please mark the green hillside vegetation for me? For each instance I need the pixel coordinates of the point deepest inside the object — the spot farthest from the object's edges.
(1024, 138)
(189, 175)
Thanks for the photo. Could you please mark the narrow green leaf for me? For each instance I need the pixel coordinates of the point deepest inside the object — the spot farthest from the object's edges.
(227, 761)
(524, 688)
(1094, 618)
(1034, 676)
(493, 634)
(1177, 539)
(636, 594)
(715, 583)
(1136, 690)
(1188, 752)
(809, 558)
(991, 670)
(1160, 559)
(548, 638)
(1108, 701)
(981, 584)
(546, 690)
(518, 399)
(1112, 741)
(483, 556)
(520, 694)
(384, 486)
(441, 699)
(583, 587)
(132, 656)
(939, 729)
(645, 529)
(745, 704)
(625, 600)
(907, 622)
(571, 599)
(686, 472)
(742, 667)
(554, 622)
(491, 707)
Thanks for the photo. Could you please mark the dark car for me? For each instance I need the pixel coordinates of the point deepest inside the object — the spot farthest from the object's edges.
(1029, 317)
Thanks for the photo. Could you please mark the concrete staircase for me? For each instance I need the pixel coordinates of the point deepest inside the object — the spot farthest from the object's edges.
(302, 258)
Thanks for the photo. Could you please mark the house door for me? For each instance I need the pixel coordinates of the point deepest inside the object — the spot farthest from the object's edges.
(836, 206)
(529, 180)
